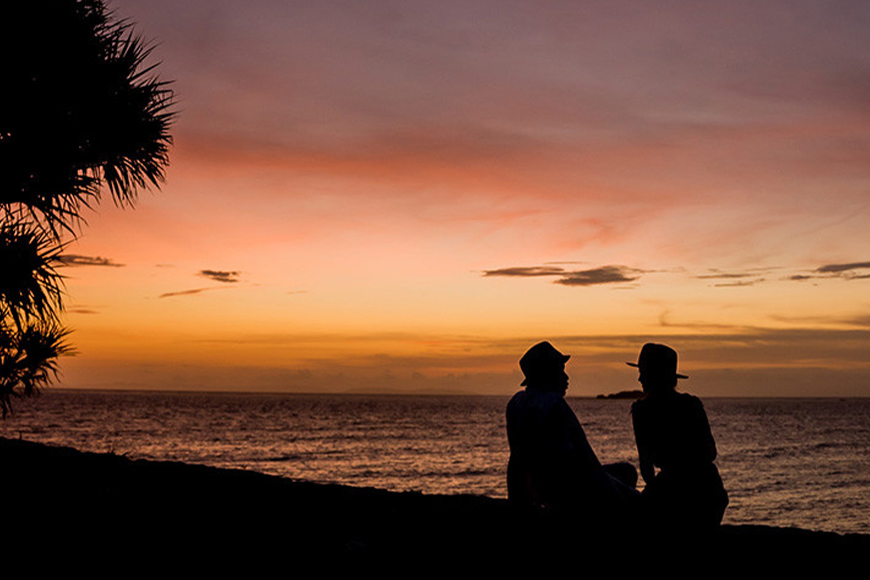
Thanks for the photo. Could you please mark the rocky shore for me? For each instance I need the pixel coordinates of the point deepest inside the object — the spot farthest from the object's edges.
(104, 508)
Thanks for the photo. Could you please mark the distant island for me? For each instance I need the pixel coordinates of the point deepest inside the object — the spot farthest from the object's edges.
(622, 395)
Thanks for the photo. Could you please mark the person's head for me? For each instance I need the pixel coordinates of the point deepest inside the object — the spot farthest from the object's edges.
(657, 368)
(544, 368)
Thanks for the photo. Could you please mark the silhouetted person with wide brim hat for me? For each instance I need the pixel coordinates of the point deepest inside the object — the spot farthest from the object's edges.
(552, 466)
(673, 435)
(657, 364)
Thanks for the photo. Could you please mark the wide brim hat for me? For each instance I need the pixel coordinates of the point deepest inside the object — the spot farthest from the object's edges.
(659, 360)
(541, 356)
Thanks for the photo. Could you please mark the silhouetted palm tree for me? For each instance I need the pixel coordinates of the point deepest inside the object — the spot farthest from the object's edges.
(80, 113)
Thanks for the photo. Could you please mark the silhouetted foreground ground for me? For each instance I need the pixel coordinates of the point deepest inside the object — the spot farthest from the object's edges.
(100, 510)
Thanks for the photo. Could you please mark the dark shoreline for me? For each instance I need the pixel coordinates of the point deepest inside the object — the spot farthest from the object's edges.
(506, 396)
(76, 500)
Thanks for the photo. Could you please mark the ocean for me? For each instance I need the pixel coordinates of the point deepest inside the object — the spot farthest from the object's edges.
(785, 462)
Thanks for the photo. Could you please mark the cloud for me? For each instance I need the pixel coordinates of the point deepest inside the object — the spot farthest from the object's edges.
(717, 275)
(590, 277)
(840, 268)
(859, 320)
(227, 277)
(602, 275)
(735, 279)
(862, 321)
(850, 271)
(666, 322)
(184, 292)
(524, 272)
(844, 271)
(739, 283)
(79, 260)
(223, 276)
(614, 274)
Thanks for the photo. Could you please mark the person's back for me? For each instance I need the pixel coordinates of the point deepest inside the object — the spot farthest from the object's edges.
(675, 428)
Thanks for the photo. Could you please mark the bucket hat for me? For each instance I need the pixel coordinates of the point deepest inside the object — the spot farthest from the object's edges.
(539, 358)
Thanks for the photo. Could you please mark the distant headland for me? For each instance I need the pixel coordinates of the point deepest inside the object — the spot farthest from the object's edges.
(637, 394)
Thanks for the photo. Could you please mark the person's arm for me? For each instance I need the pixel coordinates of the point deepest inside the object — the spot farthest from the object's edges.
(574, 440)
(644, 454)
(708, 444)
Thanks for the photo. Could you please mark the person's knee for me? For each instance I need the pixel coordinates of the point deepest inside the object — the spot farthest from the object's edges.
(624, 472)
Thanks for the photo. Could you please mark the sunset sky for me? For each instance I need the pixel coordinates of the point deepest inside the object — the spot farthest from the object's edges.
(404, 196)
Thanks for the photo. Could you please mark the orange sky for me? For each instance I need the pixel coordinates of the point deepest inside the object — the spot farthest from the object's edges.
(404, 196)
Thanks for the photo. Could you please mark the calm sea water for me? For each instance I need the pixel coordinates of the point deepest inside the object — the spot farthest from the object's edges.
(785, 462)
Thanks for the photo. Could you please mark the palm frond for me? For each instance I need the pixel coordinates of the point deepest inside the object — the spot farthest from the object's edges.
(39, 347)
(28, 358)
(81, 111)
(31, 287)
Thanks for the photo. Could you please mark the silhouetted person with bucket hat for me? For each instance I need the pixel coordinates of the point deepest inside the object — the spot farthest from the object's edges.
(673, 434)
(552, 466)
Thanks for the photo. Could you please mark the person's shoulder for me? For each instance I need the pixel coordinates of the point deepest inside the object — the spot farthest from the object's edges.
(537, 399)
(689, 398)
(516, 399)
(639, 405)
(690, 401)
